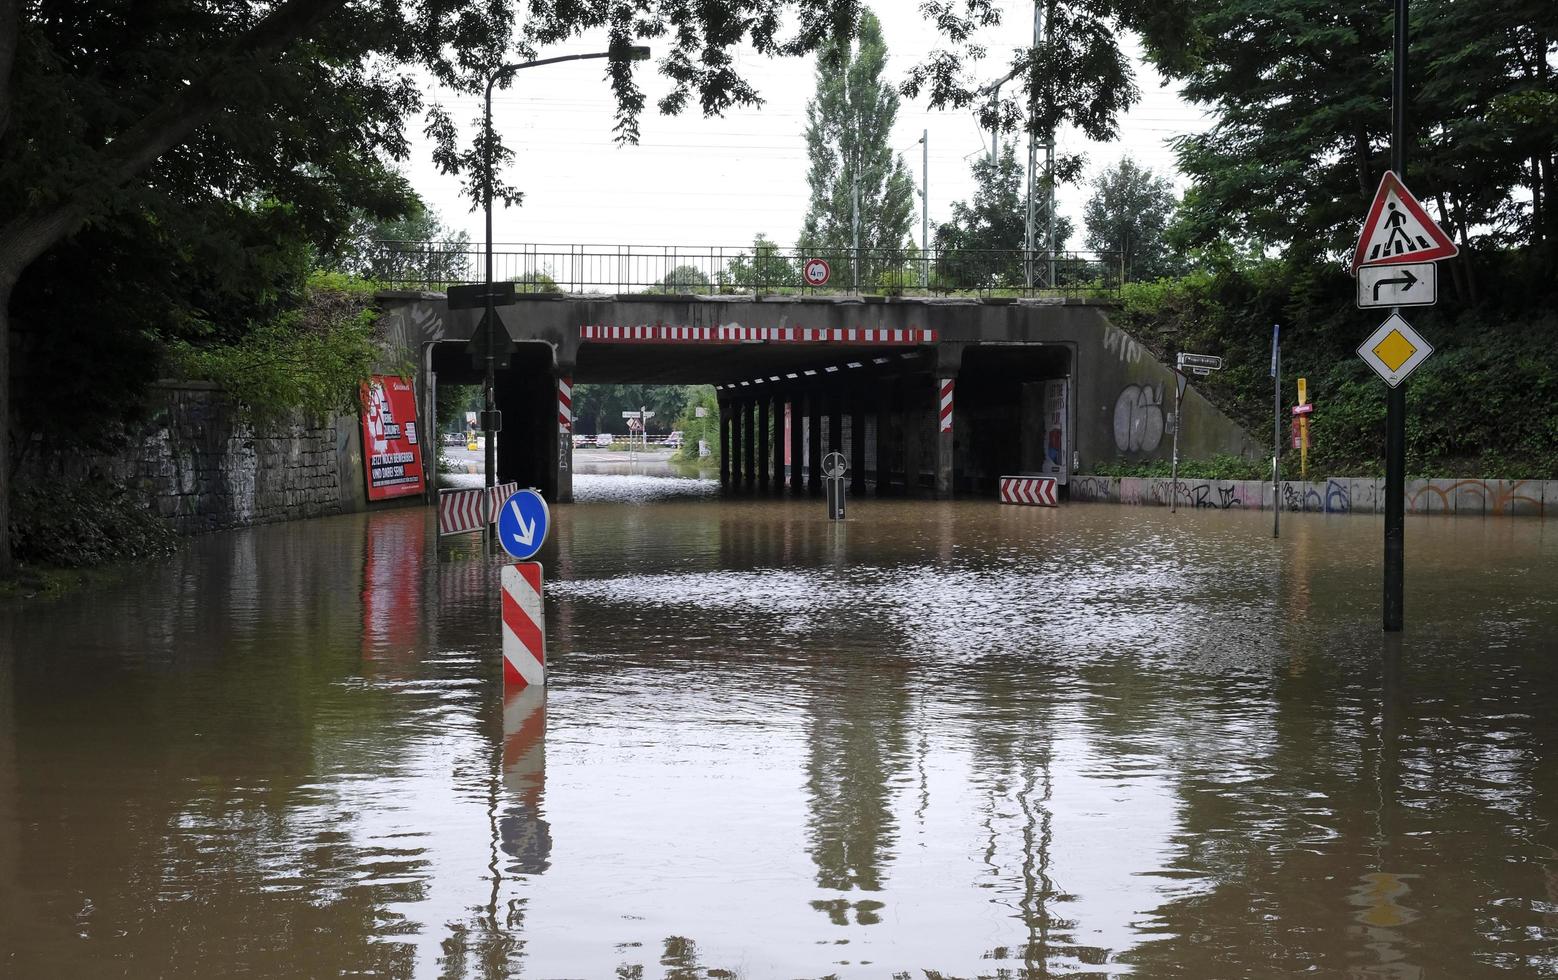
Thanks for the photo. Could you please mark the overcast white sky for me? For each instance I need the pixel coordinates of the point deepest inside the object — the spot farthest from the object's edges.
(694, 181)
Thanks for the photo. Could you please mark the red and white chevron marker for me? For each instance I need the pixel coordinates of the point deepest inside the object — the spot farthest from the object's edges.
(565, 404)
(946, 404)
(500, 493)
(524, 626)
(459, 511)
(1038, 491)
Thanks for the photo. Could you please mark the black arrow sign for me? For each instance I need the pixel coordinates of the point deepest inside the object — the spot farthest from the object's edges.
(1407, 279)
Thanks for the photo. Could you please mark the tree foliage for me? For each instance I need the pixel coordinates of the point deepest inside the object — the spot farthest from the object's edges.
(849, 125)
(599, 407)
(1301, 89)
(1127, 215)
(982, 242)
(413, 248)
(766, 267)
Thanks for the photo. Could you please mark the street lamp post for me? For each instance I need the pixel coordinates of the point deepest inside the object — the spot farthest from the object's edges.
(490, 423)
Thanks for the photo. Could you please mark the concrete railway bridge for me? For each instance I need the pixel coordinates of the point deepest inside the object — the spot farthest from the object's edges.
(933, 397)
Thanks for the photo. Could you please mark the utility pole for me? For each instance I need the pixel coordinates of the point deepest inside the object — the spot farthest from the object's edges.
(1049, 147)
(1028, 237)
(925, 209)
(1396, 397)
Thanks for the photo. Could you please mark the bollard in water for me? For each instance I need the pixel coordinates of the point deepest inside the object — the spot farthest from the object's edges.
(524, 626)
(834, 466)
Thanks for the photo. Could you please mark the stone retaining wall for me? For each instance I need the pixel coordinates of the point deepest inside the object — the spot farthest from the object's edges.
(200, 468)
(1500, 498)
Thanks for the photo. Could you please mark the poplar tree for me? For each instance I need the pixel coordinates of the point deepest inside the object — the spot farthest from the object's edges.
(849, 124)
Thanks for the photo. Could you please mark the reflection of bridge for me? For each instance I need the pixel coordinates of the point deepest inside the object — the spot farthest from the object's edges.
(1039, 385)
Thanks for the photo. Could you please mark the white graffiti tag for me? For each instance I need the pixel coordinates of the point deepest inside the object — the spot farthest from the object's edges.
(1138, 418)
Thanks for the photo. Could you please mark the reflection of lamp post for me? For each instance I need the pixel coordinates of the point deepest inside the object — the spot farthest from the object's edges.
(489, 401)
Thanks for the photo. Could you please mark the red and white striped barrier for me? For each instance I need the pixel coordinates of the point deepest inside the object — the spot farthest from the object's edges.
(735, 334)
(565, 404)
(946, 404)
(524, 743)
(459, 511)
(1036, 490)
(524, 626)
(500, 493)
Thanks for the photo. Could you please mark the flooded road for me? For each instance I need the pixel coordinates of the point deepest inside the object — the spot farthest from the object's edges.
(940, 740)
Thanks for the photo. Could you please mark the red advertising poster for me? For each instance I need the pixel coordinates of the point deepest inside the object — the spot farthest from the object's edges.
(389, 438)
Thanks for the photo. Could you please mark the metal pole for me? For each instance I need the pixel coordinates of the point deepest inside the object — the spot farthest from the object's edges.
(489, 399)
(1028, 237)
(1276, 433)
(925, 209)
(1396, 398)
(1178, 421)
(855, 218)
(1049, 153)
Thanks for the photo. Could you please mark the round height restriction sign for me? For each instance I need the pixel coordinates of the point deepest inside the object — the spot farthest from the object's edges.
(817, 272)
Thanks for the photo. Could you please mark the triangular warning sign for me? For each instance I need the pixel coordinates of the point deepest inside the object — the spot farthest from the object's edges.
(1398, 230)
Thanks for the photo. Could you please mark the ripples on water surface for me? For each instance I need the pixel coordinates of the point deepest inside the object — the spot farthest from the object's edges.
(940, 740)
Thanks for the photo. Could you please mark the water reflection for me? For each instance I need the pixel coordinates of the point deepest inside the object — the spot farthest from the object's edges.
(961, 738)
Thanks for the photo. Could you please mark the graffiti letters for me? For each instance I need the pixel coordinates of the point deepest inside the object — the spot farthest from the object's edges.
(1138, 419)
(1120, 343)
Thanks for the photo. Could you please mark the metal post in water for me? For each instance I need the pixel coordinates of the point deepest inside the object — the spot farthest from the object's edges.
(1396, 398)
(1276, 429)
(1179, 387)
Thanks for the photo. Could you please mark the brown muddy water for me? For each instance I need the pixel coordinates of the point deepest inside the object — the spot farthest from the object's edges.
(940, 740)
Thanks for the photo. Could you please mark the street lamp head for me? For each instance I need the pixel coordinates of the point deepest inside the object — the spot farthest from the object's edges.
(630, 52)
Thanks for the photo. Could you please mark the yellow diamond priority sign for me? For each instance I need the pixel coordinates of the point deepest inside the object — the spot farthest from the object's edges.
(1395, 350)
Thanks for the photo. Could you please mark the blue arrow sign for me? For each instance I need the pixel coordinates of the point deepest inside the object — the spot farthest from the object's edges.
(522, 524)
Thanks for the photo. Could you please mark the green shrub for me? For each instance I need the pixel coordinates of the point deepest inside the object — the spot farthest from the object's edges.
(73, 525)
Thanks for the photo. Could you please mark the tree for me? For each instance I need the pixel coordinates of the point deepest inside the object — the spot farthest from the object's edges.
(982, 245)
(1127, 215)
(413, 247)
(123, 112)
(599, 407)
(683, 279)
(1301, 89)
(766, 267)
(849, 125)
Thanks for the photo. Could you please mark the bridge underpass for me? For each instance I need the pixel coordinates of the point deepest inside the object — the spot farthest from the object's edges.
(1036, 387)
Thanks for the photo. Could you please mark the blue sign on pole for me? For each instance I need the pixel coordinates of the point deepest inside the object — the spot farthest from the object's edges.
(522, 524)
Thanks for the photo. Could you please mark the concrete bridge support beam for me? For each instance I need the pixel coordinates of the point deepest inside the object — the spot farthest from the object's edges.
(736, 472)
(945, 447)
(836, 421)
(777, 442)
(761, 445)
(913, 427)
(797, 443)
(884, 438)
(857, 445)
(748, 446)
(814, 451)
(725, 408)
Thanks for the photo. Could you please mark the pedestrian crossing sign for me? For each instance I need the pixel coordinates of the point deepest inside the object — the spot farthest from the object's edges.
(1398, 230)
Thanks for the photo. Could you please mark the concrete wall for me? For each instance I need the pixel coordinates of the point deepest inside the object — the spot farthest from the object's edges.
(196, 465)
(1339, 495)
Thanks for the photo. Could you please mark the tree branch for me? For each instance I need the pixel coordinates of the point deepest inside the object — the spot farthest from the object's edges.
(10, 31)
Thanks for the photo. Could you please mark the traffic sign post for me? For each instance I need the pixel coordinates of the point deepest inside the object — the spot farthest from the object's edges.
(522, 524)
(1200, 364)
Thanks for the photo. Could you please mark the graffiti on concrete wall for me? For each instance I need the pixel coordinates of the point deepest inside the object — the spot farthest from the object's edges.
(1100, 489)
(1120, 344)
(1138, 418)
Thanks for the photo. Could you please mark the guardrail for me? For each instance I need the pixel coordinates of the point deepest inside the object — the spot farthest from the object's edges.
(617, 269)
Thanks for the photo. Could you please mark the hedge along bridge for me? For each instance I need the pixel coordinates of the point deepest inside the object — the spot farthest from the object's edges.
(924, 395)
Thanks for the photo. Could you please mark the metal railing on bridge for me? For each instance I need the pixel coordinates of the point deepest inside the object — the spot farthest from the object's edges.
(618, 269)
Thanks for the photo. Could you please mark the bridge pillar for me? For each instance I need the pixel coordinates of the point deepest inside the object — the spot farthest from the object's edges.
(814, 442)
(913, 430)
(725, 408)
(563, 384)
(836, 420)
(778, 442)
(760, 444)
(797, 442)
(945, 456)
(736, 474)
(748, 445)
(884, 444)
(857, 444)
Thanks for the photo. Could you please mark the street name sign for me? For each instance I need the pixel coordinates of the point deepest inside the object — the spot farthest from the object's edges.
(1415, 284)
(1398, 230)
(1209, 361)
(1394, 350)
(635, 415)
(523, 523)
(474, 297)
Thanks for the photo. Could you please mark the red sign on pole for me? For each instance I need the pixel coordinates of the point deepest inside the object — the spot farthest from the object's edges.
(817, 272)
(390, 454)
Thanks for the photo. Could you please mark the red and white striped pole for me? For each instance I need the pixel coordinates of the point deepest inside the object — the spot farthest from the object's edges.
(946, 404)
(944, 453)
(524, 626)
(565, 404)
